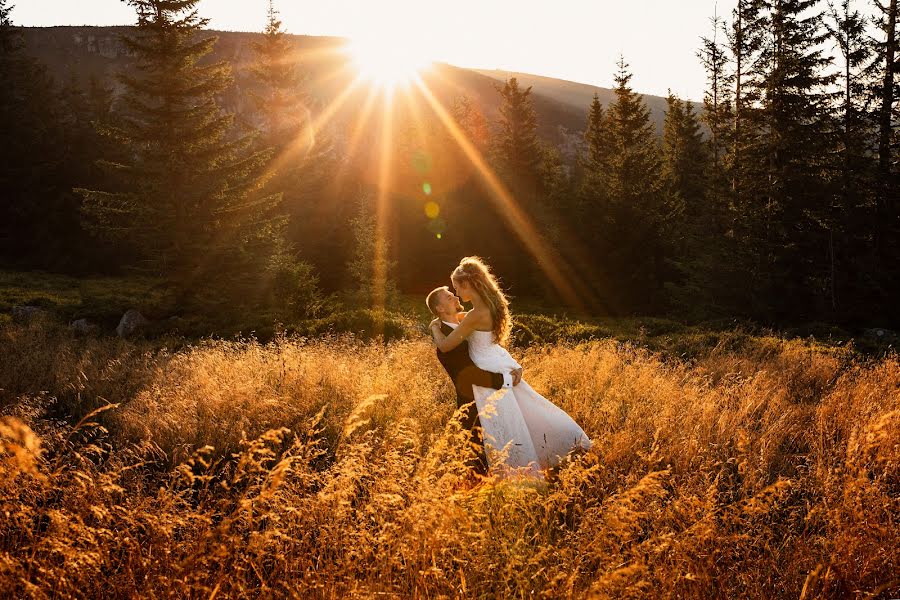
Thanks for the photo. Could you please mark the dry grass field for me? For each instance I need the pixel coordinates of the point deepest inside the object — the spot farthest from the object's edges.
(329, 468)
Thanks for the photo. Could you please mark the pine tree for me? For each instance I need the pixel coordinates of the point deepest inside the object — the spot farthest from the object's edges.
(371, 270)
(634, 237)
(595, 165)
(282, 100)
(518, 151)
(888, 54)
(885, 96)
(188, 196)
(685, 162)
(717, 114)
(471, 122)
(792, 81)
(300, 157)
(30, 153)
(520, 158)
(745, 39)
(849, 234)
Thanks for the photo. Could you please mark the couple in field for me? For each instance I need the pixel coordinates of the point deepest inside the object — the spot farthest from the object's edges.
(513, 429)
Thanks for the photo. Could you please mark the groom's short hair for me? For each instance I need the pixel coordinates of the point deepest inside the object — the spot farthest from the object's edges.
(434, 297)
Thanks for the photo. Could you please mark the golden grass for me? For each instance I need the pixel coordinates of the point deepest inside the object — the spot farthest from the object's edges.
(331, 468)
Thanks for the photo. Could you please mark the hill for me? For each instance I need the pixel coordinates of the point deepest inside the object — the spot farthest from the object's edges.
(575, 94)
(81, 53)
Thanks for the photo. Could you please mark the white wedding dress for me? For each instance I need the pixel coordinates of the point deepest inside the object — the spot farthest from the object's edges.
(532, 432)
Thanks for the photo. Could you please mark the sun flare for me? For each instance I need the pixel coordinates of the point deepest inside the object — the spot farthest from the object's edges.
(387, 62)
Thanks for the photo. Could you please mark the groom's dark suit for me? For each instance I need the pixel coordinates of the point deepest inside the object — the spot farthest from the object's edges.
(465, 374)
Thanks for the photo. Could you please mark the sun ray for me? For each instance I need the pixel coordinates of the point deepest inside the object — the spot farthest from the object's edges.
(358, 128)
(381, 204)
(548, 260)
(415, 109)
(306, 137)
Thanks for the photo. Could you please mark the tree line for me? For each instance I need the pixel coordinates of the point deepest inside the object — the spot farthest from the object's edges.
(776, 201)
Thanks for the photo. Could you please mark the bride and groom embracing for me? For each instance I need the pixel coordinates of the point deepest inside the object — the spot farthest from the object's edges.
(522, 432)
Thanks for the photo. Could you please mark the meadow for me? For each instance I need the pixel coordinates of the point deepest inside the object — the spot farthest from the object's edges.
(725, 465)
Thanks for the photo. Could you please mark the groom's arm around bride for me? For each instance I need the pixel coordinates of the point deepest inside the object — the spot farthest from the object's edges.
(463, 372)
(459, 366)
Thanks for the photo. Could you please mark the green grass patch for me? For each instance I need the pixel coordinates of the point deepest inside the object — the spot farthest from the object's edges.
(100, 299)
(103, 300)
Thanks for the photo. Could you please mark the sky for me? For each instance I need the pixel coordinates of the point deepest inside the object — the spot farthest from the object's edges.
(578, 40)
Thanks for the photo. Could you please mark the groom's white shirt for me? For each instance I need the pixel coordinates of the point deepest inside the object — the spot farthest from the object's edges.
(507, 377)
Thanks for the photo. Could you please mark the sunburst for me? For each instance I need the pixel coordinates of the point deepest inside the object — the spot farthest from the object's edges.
(387, 63)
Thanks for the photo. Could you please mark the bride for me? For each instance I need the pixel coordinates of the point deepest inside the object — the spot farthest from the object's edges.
(522, 430)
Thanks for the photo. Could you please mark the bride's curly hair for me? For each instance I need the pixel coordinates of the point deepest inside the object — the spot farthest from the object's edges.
(474, 271)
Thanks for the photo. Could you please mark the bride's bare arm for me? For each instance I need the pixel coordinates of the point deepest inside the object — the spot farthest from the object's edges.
(445, 343)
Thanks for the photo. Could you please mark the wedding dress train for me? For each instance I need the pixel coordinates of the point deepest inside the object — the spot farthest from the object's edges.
(522, 430)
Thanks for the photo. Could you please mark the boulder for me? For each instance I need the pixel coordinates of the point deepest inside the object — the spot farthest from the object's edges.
(26, 313)
(83, 326)
(131, 322)
(879, 333)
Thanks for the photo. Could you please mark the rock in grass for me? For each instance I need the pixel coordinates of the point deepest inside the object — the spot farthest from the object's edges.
(83, 326)
(26, 313)
(880, 334)
(131, 322)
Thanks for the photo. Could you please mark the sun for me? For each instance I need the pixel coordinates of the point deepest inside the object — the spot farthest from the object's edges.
(387, 61)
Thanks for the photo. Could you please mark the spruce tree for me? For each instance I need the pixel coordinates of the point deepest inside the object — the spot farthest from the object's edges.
(30, 153)
(717, 113)
(299, 166)
(745, 40)
(80, 148)
(10, 39)
(635, 237)
(793, 82)
(700, 246)
(471, 122)
(850, 208)
(888, 55)
(284, 104)
(370, 268)
(519, 158)
(517, 150)
(188, 194)
(595, 162)
(685, 162)
(885, 97)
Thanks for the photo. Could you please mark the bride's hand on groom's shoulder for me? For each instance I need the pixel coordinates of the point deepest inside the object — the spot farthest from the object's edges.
(436, 323)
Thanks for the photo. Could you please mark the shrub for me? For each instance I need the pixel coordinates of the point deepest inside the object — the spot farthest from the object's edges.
(365, 323)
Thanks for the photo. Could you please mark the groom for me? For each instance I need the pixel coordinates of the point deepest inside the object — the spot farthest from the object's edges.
(445, 305)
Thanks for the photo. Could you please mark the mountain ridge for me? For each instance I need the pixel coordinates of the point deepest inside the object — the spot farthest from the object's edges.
(82, 52)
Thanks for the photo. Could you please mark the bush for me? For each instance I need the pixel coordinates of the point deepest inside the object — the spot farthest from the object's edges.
(364, 323)
(294, 288)
(537, 329)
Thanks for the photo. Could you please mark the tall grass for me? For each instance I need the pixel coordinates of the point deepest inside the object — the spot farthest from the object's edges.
(332, 468)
